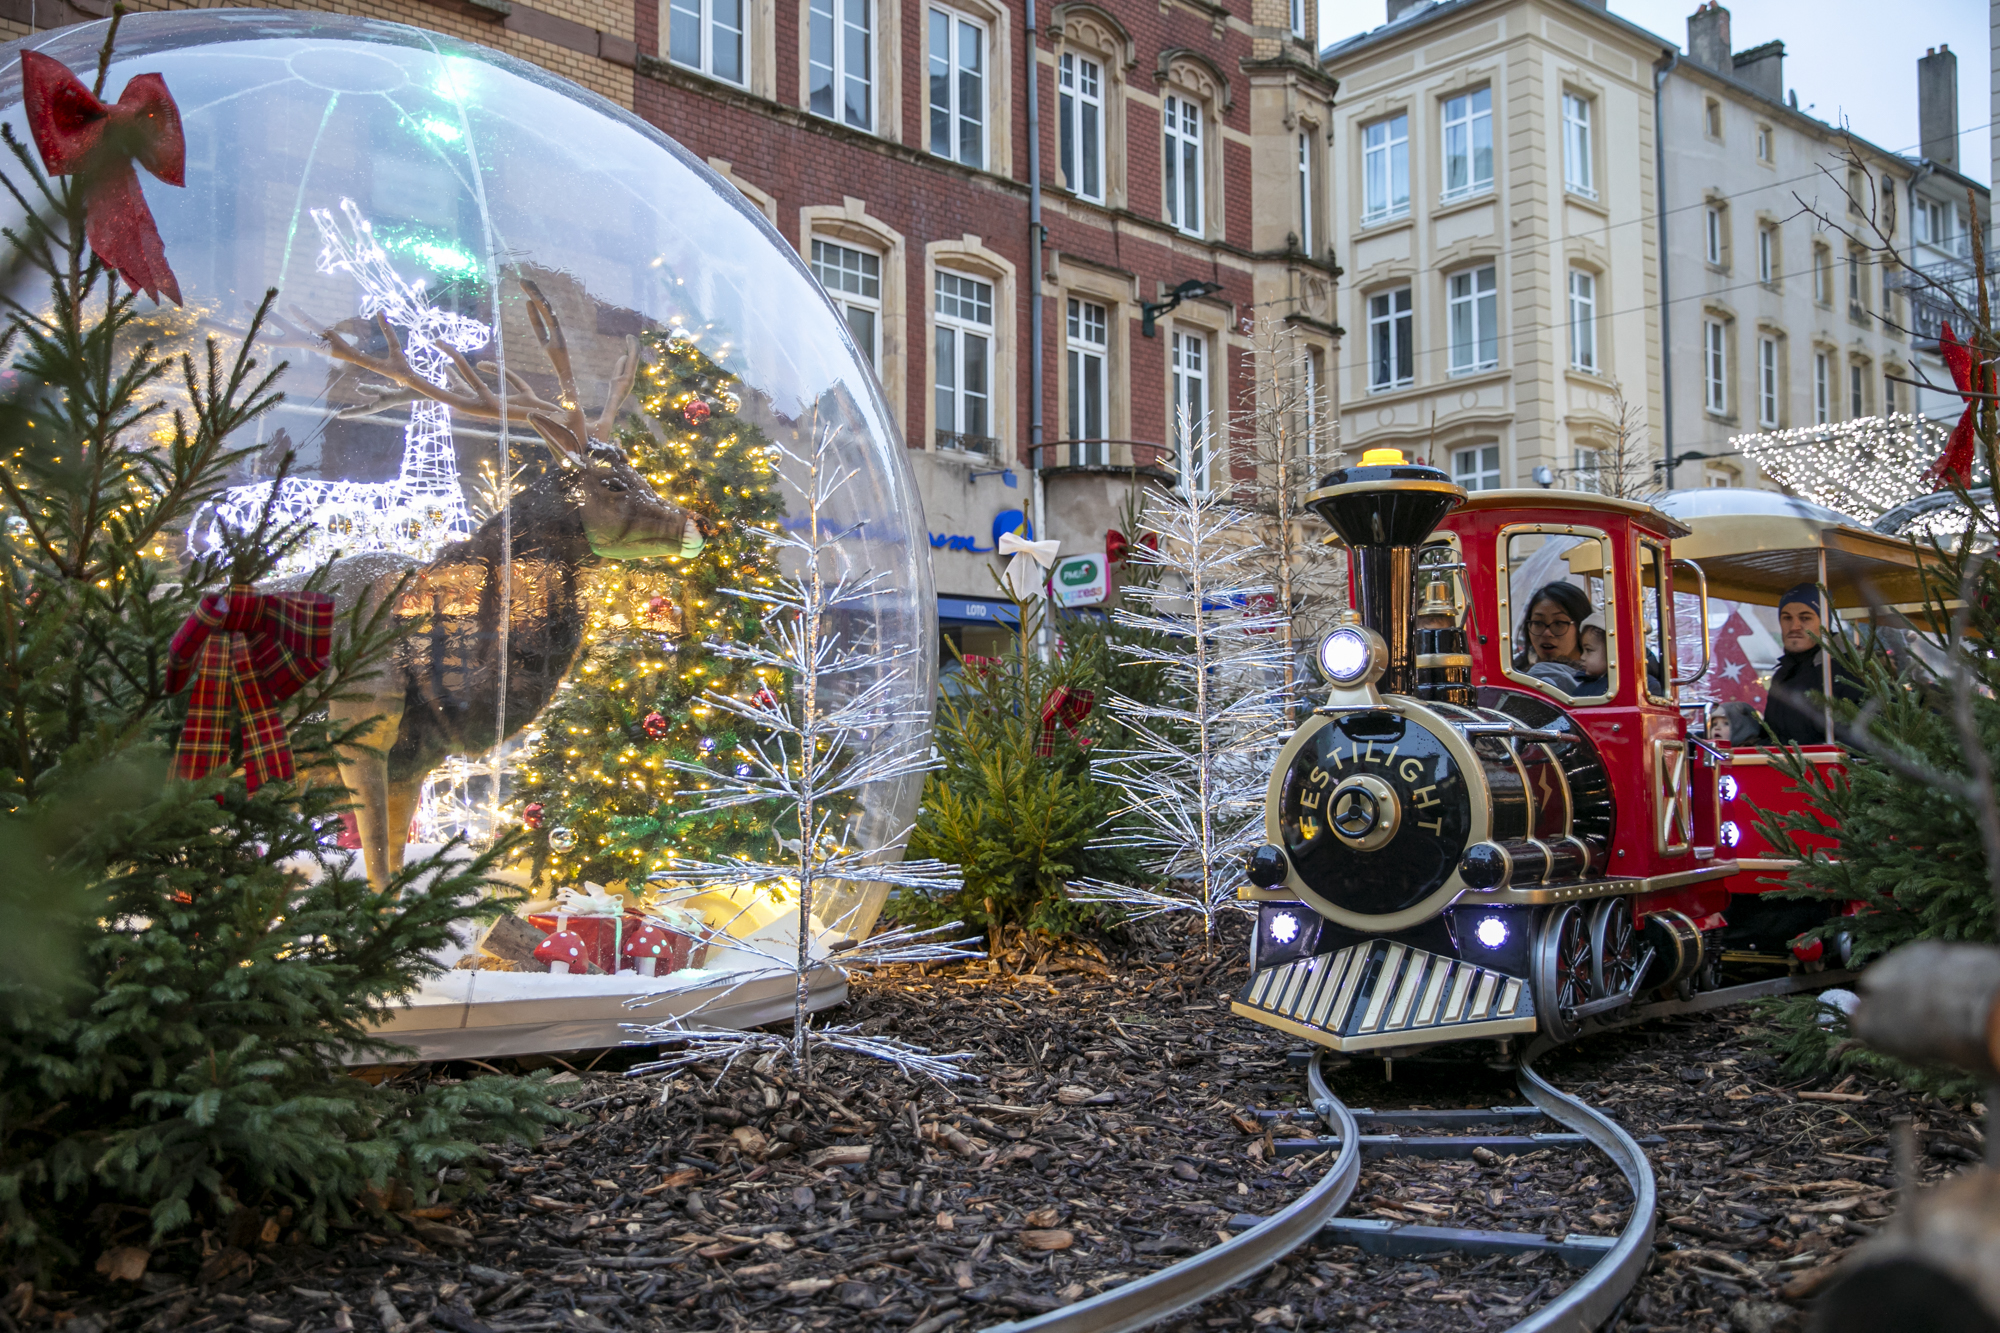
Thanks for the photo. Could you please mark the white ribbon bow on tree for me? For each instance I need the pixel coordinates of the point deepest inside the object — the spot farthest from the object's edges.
(1024, 571)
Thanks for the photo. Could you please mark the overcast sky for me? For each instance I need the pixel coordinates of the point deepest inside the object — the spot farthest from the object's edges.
(1848, 59)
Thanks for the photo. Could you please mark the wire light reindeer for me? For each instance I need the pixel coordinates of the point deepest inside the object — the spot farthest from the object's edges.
(424, 508)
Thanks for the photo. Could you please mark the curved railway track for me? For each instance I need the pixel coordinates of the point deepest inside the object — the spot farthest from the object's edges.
(1613, 1264)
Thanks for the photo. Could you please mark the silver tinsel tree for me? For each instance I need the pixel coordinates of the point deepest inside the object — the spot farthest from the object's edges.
(843, 726)
(1195, 772)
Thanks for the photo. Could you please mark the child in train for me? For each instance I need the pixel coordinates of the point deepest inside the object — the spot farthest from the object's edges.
(1593, 661)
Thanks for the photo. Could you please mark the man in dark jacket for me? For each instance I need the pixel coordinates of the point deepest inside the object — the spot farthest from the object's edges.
(1790, 714)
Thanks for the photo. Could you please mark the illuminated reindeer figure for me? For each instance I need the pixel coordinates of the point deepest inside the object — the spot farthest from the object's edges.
(441, 691)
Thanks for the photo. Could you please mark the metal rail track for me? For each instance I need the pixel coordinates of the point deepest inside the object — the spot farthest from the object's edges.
(1614, 1264)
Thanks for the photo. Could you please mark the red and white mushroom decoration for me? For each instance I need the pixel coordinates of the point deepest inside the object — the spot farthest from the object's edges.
(646, 945)
(562, 950)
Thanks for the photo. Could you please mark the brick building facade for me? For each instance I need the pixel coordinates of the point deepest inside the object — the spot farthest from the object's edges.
(887, 141)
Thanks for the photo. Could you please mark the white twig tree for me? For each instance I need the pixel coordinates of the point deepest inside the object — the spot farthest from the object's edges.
(841, 720)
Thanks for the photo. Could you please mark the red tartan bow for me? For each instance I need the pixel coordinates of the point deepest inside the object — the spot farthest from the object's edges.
(68, 122)
(1956, 460)
(270, 645)
(1065, 707)
(1114, 546)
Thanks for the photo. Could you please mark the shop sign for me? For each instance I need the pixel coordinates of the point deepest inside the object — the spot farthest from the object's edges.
(1007, 520)
(1078, 580)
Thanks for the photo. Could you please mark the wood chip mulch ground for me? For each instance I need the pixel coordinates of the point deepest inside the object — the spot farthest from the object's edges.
(1111, 1130)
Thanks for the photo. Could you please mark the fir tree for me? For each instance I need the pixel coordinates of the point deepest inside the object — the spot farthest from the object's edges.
(190, 1064)
(602, 767)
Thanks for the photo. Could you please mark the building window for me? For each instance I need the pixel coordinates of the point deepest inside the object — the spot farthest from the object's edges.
(964, 317)
(1298, 18)
(1578, 174)
(1305, 193)
(1767, 381)
(1765, 152)
(1822, 389)
(1080, 111)
(1767, 254)
(1582, 319)
(707, 35)
(1822, 275)
(1468, 144)
(1714, 239)
(1385, 157)
(958, 87)
(1191, 436)
(1311, 371)
(1390, 340)
(1477, 468)
(1182, 119)
(1472, 305)
(1857, 286)
(1714, 368)
(1712, 119)
(1857, 391)
(840, 62)
(853, 278)
(1586, 471)
(1089, 382)
(1888, 393)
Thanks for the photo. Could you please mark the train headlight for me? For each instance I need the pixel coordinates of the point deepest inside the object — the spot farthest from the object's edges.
(1353, 655)
(1284, 928)
(1725, 787)
(1491, 932)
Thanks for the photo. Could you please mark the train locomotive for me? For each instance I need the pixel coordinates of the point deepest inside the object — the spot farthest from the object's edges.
(1462, 843)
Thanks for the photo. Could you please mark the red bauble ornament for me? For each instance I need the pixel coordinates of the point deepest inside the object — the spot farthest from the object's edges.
(766, 699)
(696, 411)
(655, 725)
(656, 606)
(531, 814)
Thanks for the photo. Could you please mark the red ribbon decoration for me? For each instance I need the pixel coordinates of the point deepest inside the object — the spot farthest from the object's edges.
(254, 650)
(1065, 707)
(1115, 546)
(1956, 460)
(68, 122)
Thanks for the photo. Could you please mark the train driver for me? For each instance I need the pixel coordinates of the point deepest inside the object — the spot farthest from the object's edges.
(1552, 649)
(1790, 714)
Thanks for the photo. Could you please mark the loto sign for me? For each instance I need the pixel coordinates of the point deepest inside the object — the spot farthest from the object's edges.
(1079, 580)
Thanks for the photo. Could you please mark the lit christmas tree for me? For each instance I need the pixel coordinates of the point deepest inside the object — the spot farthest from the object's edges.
(598, 785)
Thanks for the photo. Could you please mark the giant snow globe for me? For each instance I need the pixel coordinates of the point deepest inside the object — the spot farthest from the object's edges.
(553, 389)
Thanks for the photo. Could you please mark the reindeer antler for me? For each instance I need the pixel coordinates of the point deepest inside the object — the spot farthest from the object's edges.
(469, 392)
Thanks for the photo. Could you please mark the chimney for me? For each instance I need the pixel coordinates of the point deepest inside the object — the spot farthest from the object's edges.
(1763, 68)
(1398, 8)
(1708, 37)
(1937, 106)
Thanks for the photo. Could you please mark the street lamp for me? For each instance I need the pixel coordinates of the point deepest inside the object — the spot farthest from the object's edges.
(1187, 291)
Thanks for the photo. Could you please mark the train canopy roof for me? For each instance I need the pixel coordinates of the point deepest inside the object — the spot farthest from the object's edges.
(1753, 545)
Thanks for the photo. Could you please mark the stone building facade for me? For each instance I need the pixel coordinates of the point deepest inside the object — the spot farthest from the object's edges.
(1495, 205)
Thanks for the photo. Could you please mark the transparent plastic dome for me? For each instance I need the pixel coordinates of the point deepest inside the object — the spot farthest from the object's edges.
(365, 169)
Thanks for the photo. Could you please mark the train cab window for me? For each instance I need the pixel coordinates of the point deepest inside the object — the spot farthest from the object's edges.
(1557, 631)
(1656, 619)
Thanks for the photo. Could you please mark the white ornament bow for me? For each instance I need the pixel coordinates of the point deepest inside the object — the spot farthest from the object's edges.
(1029, 559)
(591, 900)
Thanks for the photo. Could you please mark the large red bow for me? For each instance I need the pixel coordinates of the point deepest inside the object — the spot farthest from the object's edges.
(268, 647)
(1066, 708)
(1956, 460)
(68, 122)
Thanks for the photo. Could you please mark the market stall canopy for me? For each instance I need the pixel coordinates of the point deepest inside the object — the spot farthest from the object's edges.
(1753, 545)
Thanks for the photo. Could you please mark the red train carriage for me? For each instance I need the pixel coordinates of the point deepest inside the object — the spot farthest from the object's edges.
(1475, 836)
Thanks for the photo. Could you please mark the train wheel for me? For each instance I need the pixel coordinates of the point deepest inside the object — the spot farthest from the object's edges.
(1614, 948)
(1561, 972)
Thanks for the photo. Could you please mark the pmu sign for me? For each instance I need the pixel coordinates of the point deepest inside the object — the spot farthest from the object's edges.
(1078, 580)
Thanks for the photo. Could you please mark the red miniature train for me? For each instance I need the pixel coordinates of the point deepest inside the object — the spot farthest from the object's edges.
(1475, 837)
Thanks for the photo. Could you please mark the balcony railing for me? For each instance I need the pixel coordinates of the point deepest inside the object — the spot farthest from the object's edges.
(1106, 456)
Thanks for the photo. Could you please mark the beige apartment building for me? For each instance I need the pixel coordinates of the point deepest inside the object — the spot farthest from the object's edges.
(1494, 203)
(1774, 318)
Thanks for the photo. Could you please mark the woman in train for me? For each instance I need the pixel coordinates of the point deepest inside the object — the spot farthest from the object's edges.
(1551, 644)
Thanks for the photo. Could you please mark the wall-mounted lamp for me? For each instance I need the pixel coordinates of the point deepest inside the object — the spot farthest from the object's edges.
(1187, 291)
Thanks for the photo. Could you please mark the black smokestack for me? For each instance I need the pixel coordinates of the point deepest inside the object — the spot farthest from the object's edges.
(1383, 509)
